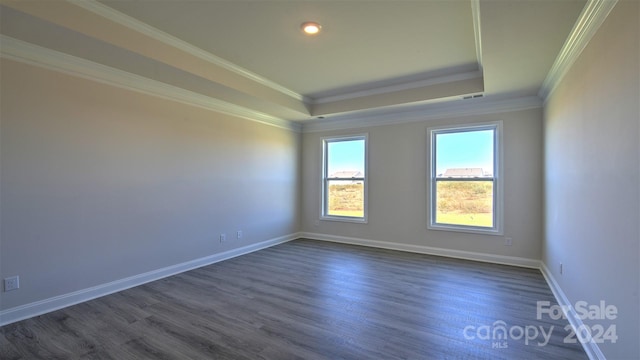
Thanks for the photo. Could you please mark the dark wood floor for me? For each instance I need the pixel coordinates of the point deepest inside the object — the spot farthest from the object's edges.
(306, 300)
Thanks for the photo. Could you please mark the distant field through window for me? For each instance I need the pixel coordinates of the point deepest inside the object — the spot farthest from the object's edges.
(344, 178)
(464, 178)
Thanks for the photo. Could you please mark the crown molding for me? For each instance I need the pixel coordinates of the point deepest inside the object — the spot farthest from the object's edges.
(425, 112)
(25, 52)
(141, 27)
(28, 53)
(589, 21)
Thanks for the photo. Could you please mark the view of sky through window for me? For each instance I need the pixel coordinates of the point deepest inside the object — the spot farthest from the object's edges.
(345, 156)
(469, 149)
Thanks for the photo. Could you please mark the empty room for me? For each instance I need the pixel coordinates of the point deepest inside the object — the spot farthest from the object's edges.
(218, 179)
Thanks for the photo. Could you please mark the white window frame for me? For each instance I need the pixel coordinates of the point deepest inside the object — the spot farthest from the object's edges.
(498, 176)
(325, 178)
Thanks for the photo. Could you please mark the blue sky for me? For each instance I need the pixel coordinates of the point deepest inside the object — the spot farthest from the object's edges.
(455, 150)
(346, 155)
(464, 150)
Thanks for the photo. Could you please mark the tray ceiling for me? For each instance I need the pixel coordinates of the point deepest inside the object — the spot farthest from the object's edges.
(370, 55)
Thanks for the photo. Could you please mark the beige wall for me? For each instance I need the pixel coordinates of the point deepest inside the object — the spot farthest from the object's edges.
(592, 181)
(398, 187)
(100, 183)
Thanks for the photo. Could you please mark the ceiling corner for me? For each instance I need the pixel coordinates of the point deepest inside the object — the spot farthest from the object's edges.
(589, 21)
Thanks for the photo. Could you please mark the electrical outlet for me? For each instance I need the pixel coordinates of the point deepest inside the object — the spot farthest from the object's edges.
(12, 283)
(316, 223)
(223, 238)
(239, 234)
(508, 241)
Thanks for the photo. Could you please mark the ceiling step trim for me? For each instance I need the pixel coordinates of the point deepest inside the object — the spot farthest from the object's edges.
(477, 31)
(399, 87)
(28, 53)
(143, 28)
(589, 21)
(429, 112)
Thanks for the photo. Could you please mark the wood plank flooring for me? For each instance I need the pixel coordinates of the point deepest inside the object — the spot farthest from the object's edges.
(307, 300)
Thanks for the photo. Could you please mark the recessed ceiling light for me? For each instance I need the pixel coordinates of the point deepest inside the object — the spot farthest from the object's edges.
(311, 28)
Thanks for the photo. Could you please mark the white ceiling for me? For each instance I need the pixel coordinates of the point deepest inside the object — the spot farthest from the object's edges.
(370, 56)
(360, 43)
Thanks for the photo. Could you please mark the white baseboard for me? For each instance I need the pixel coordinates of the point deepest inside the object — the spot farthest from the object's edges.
(467, 255)
(591, 348)
(58, 302)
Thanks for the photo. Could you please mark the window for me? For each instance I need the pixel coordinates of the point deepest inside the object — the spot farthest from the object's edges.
(466, 189)
(344, 178)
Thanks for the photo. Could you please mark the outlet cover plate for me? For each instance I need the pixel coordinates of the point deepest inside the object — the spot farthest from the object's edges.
(12, 283)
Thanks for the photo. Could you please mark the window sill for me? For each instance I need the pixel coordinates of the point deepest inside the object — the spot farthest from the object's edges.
(344, 219)
(466, 229)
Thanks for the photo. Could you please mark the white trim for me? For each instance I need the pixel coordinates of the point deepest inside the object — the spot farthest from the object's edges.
(28, 53)
(591, 348)
(399, 87)
(477, 31)
(393, 116)
(497, 177)
(420, 249)
(58, 302)
(589, 21)
(143, 28)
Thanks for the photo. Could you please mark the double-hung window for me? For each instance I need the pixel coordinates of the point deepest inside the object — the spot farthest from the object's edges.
(465, 182)
(344, 178)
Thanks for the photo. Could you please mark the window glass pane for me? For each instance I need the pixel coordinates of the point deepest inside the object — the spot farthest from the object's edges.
(464, 154)
(345, 159)
(462, 159)
(467, 203)
(345, 198)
